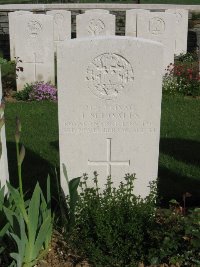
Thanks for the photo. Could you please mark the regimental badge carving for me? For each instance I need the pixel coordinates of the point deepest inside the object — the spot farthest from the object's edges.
(34, 28)
(58, 18)
(96, 27)
(156, 26)
(108, 74)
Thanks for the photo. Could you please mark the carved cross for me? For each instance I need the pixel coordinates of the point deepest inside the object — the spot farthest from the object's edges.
(108, 162)
(35, 62)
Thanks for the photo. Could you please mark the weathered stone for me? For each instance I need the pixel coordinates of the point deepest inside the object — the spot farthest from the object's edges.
(160, 27)
(62, 25)
(181, 30)
(95, 24)
(109, 108)
(12, 31)
(35, 48)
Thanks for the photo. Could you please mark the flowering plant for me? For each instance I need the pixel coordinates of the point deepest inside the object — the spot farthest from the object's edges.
(37, 91)
(183, 78)
(43, 91)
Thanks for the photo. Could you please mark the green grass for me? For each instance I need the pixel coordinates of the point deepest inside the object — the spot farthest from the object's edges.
(40, 138)
(179, 164)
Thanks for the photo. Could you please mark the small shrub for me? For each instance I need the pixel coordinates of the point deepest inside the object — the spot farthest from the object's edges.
(8, 72)
(111, 227)
(187, 58)
(24, 94)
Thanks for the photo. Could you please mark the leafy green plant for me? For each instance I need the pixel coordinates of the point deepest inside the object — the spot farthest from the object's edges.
(1, 124)
(8, 71)
(24, 94)
(67, 204)
(187, 58)
(30, 226)
(30, 222)
(111, 225)
(4, 224)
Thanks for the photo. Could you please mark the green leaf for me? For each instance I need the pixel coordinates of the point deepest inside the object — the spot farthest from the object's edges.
(4, 230)
(48, 192)
(42, 235)
(19, 202)
(33, 215)
(65, 173)
(9, 215)
(16, 257)
(2, 196)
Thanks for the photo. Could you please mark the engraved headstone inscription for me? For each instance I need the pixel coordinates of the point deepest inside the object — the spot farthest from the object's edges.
(4, 176)
(62, 25)
(12, 32)
(181, 30)
(109, 108)
(160, 27)
(95, 24)
(35, 48)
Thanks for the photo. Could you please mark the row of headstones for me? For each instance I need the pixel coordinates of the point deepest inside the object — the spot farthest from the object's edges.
(32, 36)
(109, 99)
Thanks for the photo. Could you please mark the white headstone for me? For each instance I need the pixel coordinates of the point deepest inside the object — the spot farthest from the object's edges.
(4, 176)
(181, 30)
(109, 108)
(62, 25)
(160, 27)
(131, 21)
(97, 11)
(12, 23)
(35, 47)
(95, 24)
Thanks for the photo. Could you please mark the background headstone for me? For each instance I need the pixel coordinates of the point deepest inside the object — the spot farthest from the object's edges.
(131, 21)
(160, 27)
(95, 24)
(109, 99)
(12, 32)
(4, 176)
(35, 47)
(62, 25)
(181, 30)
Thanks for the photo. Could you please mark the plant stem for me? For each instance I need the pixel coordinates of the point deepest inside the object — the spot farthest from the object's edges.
(19, 171)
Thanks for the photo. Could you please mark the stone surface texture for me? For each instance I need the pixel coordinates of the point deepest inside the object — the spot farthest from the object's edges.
(160, 27)
(12, 23)
(131, 21)
(95, 24)
(4, 175)
(35, 47)
(181, 30)
(109, 108)
(62, 25)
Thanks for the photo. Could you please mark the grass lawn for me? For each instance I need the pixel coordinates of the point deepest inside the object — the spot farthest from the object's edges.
(179, 164)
